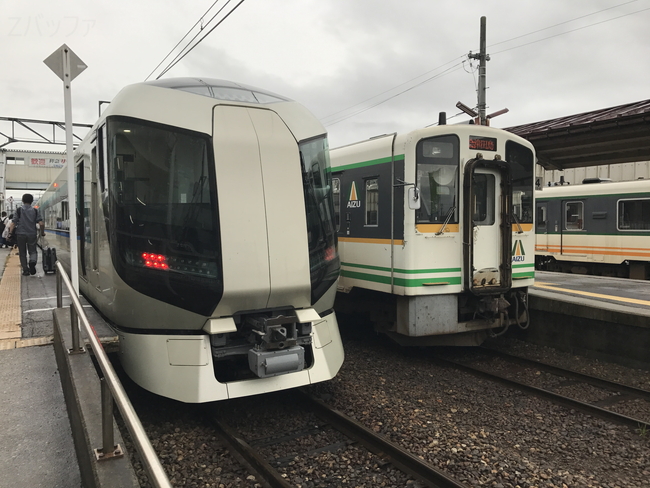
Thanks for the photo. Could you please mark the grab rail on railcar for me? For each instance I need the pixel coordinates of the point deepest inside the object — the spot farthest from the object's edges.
(111, 389)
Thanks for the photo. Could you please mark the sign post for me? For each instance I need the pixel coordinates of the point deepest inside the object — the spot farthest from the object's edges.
(67, 66)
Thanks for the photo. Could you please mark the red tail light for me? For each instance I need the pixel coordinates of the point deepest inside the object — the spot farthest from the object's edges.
(330, 253)
(156, 261)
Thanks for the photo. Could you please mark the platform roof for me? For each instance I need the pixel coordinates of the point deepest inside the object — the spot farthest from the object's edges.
(611, 135)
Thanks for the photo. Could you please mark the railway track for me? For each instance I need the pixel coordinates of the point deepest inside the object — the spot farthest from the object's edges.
(601, 398)
(269, 456)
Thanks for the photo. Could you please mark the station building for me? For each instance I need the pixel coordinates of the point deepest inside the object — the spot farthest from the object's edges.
(26, 171)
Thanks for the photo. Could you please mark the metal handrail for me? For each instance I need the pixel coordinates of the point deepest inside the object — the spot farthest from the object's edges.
(152, 464)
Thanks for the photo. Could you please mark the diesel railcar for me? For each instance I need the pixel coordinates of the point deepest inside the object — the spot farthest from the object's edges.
(435, 231)
(599, 228)
(206, 237)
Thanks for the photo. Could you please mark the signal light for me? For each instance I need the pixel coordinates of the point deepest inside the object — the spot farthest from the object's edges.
(155, 261)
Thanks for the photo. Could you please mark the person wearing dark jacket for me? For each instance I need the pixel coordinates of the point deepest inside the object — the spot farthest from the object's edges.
(23, 227)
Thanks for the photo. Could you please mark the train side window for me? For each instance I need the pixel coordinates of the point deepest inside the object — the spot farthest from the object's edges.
(102, 153)
(372, 202)
(634, 214)
(541, 218)
(574, 216)
(336, 193)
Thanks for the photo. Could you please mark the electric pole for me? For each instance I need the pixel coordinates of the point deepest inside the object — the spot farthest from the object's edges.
(482, 58)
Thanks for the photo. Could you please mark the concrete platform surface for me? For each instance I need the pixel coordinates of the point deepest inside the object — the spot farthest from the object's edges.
(36, 441)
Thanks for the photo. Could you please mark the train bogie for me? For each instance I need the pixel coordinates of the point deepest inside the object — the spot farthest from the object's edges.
(205, 231)
(436, 228)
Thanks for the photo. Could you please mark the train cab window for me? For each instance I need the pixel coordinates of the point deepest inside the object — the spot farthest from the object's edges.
(574, 212)
(372, 202)
(336, 193)
(522, 167)
(634, 214)
(437, 160)
(164, 227)
(324, 263)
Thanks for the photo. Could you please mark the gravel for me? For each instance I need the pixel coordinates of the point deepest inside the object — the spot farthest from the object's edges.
(479, 432)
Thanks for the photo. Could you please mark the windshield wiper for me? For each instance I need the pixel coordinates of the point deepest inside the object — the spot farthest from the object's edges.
(447, 219)
(520, 231)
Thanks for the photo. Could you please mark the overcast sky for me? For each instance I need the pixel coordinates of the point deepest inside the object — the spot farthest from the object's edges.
(549, 58)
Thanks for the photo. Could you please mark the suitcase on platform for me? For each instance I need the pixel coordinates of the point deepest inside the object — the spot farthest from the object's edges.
(49, 260)
(49, 255)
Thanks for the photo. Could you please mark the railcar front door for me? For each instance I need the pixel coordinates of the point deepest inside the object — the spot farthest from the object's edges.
(487, 232)
(486, 236)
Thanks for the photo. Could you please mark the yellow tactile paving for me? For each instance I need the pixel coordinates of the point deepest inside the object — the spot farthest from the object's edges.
(17, 343)
(10, 309)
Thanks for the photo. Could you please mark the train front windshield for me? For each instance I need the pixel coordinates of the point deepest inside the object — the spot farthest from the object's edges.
(522, 168)
(165, 230)
(324, 260)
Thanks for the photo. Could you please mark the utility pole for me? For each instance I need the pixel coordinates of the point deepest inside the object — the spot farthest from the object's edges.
(482, 58)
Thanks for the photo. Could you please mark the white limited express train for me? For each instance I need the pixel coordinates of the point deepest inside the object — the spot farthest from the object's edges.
(206, 237)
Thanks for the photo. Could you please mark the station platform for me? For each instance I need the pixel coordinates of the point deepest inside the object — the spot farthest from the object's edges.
(601, 292)
(37, 439)
(597, 316)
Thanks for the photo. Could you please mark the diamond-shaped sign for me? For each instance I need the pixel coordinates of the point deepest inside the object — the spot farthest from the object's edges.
(56, 63)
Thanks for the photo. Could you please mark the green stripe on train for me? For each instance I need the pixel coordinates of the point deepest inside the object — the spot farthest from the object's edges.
(363, 164)
(402, 271)
(451, 280)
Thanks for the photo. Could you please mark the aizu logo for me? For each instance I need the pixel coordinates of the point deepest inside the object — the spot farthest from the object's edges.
(353, 201)
(518, 252)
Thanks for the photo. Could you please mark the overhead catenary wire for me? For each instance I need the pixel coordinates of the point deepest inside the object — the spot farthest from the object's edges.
(182, 39)
(572, 30)
(456, 67)
(337, 120)
(187, 49)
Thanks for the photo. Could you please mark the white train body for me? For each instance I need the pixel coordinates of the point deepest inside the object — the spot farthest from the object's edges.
(206, 238)
(598, 228)
(436, 232)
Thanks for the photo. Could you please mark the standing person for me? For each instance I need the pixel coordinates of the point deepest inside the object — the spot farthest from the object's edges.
(3, 225)
(24, 228)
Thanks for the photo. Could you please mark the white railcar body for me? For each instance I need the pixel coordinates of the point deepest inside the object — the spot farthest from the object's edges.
(598, 228)
(438, 225)
(206, 238)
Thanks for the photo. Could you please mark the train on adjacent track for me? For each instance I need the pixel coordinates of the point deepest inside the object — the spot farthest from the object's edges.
(435, 230)
(599, 228)
(206, 237)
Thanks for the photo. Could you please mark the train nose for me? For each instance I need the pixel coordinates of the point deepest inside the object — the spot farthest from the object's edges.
(258, 163)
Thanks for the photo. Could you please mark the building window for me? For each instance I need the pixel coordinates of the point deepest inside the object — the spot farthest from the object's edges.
(634, 214)
(372, 201)
(13, 160)
(574, 216)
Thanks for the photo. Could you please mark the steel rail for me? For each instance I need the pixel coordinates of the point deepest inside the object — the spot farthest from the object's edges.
(566, 401)
(260, 465)
(150, 460)
(569, 373)
(382, 447)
